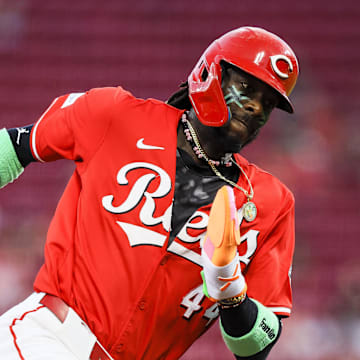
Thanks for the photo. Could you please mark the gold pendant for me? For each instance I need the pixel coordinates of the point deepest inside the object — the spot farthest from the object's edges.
(249, 211)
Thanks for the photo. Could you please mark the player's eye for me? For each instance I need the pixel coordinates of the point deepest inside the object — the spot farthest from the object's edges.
(244, 84)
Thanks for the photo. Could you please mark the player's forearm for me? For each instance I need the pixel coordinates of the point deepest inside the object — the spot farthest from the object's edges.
(238, 321)
(15, 153)
(249, 329)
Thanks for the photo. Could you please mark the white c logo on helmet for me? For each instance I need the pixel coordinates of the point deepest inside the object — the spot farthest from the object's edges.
(274, 59)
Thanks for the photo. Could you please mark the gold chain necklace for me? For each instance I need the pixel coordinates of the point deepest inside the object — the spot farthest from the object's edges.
(249, 209)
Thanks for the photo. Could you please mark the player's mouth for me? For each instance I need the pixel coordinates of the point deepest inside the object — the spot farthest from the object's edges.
(243, 123)
(250, 124)
(240, 126)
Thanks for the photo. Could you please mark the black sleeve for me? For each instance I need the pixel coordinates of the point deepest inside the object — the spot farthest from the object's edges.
(244, 314)
(20, 138)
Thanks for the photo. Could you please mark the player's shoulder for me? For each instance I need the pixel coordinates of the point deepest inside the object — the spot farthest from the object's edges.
(124, 98)
(266, 183)
(113, 94)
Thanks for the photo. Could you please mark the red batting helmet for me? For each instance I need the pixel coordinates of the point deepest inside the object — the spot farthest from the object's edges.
(253, 50)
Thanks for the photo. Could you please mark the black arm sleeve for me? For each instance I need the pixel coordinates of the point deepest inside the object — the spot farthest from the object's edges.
(20, 137)
(238, 321)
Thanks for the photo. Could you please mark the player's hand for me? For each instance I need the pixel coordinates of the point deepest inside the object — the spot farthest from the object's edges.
(221, 266)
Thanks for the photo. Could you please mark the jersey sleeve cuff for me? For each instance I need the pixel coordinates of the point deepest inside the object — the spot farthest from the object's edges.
(280, 310)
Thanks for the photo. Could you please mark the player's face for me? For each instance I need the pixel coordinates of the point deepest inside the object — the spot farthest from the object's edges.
(250, 101)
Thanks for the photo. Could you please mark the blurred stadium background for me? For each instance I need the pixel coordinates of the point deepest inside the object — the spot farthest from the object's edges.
(49, 48)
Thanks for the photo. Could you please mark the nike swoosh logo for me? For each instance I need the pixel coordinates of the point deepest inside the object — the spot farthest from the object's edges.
(140, 145)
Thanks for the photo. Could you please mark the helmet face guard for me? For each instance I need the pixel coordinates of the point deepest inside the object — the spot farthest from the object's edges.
(253, 50)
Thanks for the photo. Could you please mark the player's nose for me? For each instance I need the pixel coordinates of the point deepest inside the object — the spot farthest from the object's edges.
(253, 106)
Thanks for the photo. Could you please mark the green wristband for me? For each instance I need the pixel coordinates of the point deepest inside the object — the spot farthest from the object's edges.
(205, 290)
(263, 333)
(10, 167)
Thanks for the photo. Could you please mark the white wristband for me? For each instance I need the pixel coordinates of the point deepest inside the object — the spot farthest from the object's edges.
(223, 282)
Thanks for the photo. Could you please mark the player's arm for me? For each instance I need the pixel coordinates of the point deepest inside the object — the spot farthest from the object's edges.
(249, 328)
(15, 153)
(71, 128)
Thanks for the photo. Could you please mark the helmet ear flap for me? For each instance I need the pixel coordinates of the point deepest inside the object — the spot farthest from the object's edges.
(207, 98)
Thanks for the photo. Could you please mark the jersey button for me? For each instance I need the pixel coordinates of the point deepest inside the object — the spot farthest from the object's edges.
(142, 305)
(120, 348)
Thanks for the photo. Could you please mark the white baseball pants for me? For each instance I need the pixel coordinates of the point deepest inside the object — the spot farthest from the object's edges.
(30, 331)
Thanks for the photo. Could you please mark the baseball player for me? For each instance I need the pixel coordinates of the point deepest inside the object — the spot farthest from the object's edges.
(163, 226)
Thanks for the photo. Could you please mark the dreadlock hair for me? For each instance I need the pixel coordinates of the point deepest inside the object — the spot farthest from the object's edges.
(180, 99)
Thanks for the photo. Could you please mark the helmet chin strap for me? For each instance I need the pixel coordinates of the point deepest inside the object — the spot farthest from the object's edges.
(229, 112)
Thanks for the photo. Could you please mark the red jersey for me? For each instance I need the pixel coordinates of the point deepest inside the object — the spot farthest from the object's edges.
(108, 254)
